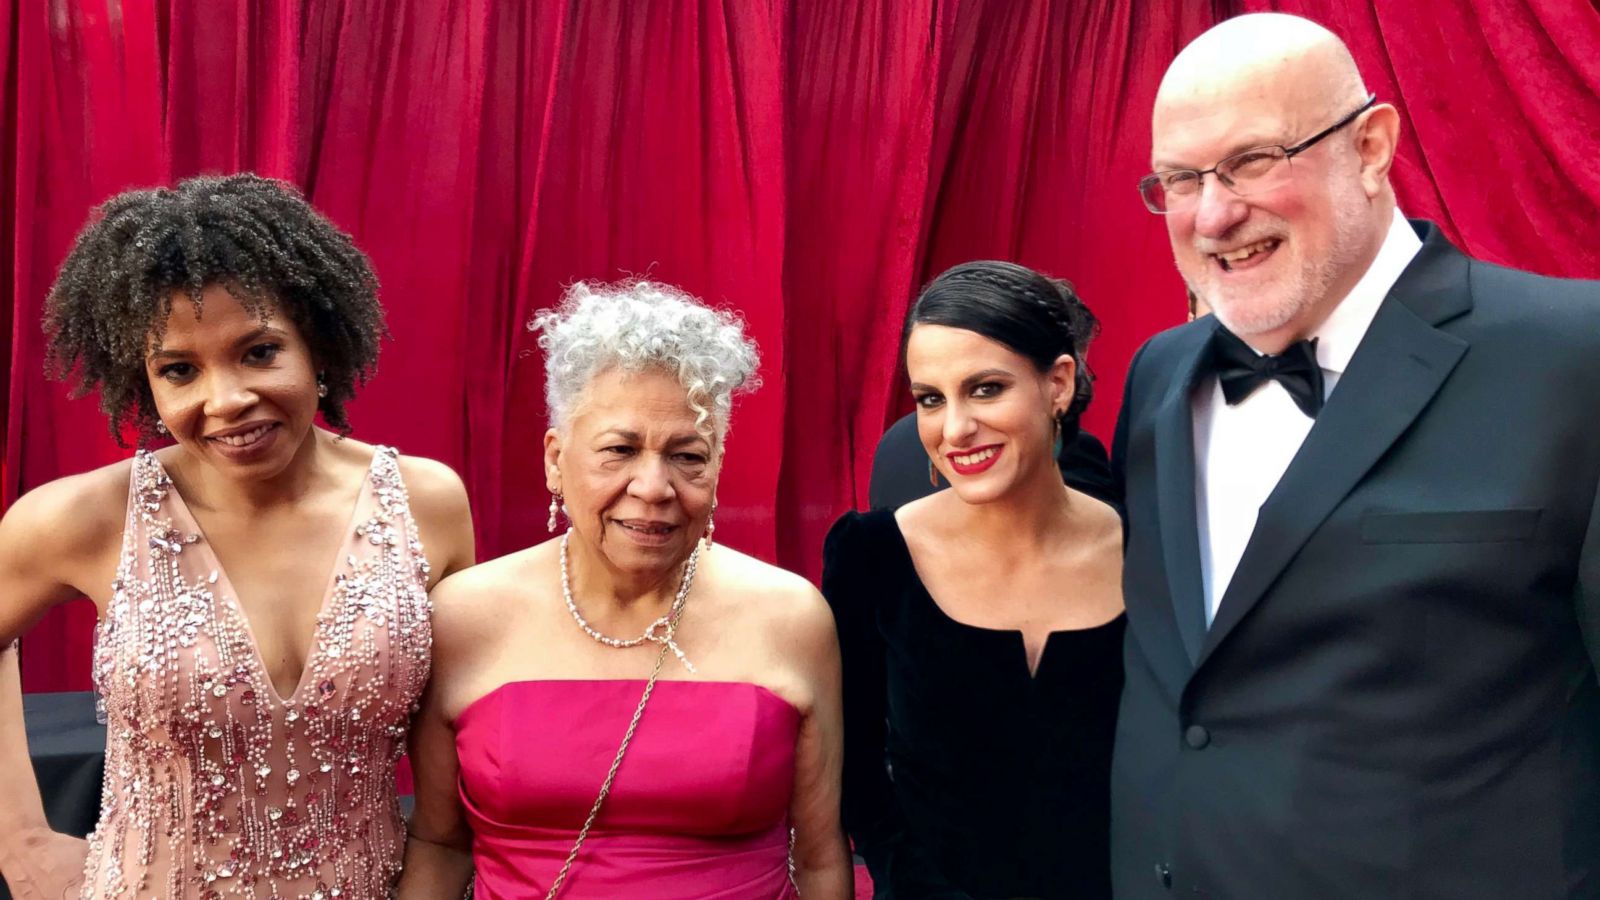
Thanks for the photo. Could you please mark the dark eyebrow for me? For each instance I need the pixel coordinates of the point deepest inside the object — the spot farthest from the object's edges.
(972, 380)
(977, 378)
(161, 353)
(259, 333)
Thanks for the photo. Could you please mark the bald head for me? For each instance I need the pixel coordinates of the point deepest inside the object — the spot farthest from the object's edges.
(1272, 172)
(1289, 63)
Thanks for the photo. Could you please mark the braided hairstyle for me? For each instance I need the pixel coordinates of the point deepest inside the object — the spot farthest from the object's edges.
(1032, 314)
(255, 236)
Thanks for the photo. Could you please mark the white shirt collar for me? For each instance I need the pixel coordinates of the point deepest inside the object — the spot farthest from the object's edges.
(1344, 328)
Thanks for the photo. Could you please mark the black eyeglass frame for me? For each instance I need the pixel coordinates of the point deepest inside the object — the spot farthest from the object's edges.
(1154, 178)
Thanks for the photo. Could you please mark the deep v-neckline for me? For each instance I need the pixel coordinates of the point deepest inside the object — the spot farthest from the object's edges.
(223, 586)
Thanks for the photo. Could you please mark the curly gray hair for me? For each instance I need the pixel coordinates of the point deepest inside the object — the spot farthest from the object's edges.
(638, 324)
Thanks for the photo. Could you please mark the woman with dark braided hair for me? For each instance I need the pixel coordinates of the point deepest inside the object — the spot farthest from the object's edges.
(256, 702)
(981, 626)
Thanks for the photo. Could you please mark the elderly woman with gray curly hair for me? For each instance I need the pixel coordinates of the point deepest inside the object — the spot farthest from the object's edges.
(629, 710)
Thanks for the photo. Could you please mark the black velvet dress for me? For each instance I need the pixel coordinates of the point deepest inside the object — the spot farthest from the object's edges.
(965, 776)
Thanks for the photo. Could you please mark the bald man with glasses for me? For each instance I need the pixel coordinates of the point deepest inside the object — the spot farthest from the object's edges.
(1363, 550)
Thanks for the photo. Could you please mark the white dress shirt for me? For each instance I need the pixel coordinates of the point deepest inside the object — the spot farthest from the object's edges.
(1241, 451)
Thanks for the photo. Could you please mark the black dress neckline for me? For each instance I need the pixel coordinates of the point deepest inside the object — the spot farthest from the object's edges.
(963, 774)
(1009, 635)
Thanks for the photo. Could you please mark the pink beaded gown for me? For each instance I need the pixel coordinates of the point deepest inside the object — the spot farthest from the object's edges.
(699, 809)
(215, 785)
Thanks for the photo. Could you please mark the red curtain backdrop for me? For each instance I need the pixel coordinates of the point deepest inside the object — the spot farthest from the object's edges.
(806, 162)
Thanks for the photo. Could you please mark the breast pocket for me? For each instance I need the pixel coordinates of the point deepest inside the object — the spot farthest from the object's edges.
(1475, 526)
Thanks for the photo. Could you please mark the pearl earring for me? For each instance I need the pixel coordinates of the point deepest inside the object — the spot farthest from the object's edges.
(555, 507)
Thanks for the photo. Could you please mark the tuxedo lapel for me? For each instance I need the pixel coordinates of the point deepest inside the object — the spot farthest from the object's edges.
(1175, 493)
(1401, 363)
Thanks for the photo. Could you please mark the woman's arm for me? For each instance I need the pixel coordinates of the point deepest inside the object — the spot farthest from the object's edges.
(438, 860)
(37, 863)
(51, 539)
(821, 858)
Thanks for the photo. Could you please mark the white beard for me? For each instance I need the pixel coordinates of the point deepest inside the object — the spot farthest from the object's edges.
(1255, 312)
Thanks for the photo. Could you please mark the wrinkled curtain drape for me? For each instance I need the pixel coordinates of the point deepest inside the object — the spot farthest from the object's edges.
(808, 164)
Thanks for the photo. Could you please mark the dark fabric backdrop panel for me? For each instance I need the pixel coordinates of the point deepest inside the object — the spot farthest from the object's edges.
(808, 164)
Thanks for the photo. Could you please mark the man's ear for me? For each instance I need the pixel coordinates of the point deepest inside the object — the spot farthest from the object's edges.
(1376, 144)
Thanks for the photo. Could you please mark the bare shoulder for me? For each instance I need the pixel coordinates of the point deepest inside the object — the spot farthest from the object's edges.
(478, 615)
(482, 587)
(1105, 521)
(913, 513)
(433, 487)
(930, 516)
(443, 515)
(70, 528)
(471, 606)
(789, 641)
(76, 508)
(784, 600)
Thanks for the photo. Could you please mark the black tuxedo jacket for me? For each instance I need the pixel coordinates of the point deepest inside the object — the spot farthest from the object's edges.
(1395, 699)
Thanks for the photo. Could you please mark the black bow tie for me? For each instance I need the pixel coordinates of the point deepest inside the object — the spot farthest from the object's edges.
(1240, 370)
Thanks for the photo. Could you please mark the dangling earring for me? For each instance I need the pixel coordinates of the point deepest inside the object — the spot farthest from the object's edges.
(711, 524)
(322, 384)
(1055, 419)
(555, 507)
(933, 473)
(161, 427)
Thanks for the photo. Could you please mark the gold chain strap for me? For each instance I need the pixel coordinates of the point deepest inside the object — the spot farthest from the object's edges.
(667, 646)
(605, 789)
(610, 775)
(616, 763)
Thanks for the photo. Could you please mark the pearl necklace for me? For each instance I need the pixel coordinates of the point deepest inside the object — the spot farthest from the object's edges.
(662, 631)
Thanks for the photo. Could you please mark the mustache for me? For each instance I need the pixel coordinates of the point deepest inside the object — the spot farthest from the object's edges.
(1234, 241)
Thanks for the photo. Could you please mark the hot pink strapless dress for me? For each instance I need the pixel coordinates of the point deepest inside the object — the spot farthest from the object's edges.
(699, 809)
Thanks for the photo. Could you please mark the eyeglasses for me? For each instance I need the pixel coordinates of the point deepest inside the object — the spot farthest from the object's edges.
(1250, 172)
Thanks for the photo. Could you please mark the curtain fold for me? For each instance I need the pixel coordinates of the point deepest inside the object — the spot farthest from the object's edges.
(861, 96)
(807, 164)
(662, 157)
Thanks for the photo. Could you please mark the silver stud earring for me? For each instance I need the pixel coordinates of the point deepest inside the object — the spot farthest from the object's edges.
(555, 507)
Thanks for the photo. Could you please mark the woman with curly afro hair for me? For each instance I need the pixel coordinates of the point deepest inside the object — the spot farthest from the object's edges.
(264, 627)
